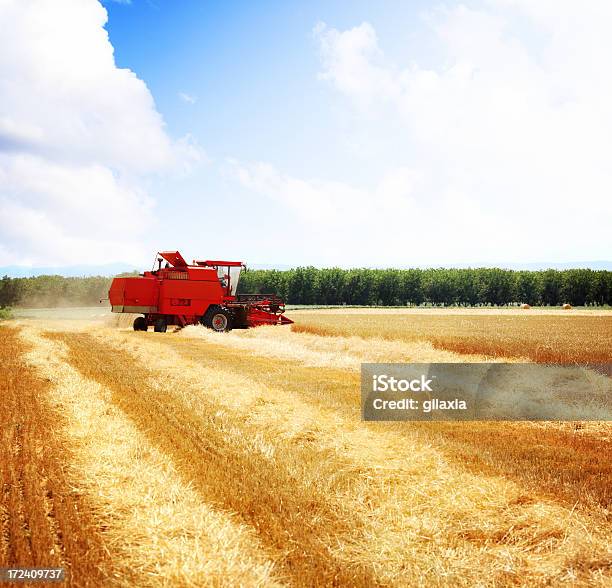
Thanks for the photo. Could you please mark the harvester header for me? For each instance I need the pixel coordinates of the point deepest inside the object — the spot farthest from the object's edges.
(204, 292)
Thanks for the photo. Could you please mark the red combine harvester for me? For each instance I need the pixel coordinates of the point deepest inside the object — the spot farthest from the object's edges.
(204, 292)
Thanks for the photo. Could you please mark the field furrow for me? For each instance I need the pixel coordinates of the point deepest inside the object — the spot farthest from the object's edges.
(335, 500)
(562, 463)
(228, 469)
(45, 522)
(199, 458)
(158, 530)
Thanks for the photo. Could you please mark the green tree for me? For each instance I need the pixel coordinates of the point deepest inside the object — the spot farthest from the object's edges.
(528, 287)
(578, 286)
(552, 286)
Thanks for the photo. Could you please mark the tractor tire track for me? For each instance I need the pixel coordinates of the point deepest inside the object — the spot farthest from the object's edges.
(44, 523)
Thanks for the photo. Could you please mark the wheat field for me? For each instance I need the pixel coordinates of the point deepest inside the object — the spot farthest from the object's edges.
(239, 459)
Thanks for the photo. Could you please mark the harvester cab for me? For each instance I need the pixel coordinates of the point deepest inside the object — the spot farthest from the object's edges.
(228, 273)
(204, 292)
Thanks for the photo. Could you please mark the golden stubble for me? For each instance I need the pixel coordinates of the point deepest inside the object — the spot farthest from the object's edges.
(366, 503)
(540, 337)
(44, 520)
(339, 352)
(158, 530)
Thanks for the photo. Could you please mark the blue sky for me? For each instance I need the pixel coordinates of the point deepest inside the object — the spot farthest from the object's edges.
(252, 71)
(326, 133)
(252, 66)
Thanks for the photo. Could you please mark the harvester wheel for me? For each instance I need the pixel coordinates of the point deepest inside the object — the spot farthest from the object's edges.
(140, 323)
(160, 325)
(219, 320)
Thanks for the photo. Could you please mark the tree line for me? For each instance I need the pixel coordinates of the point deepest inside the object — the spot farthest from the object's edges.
(469, 287)
(383, 287)
(52, 291)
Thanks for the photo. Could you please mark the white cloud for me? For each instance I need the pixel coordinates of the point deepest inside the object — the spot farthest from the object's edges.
(188, 98)
(512, 126)
(76, 134)
(54, 211)
(352, 59)
(386, 224)
(320, 202)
